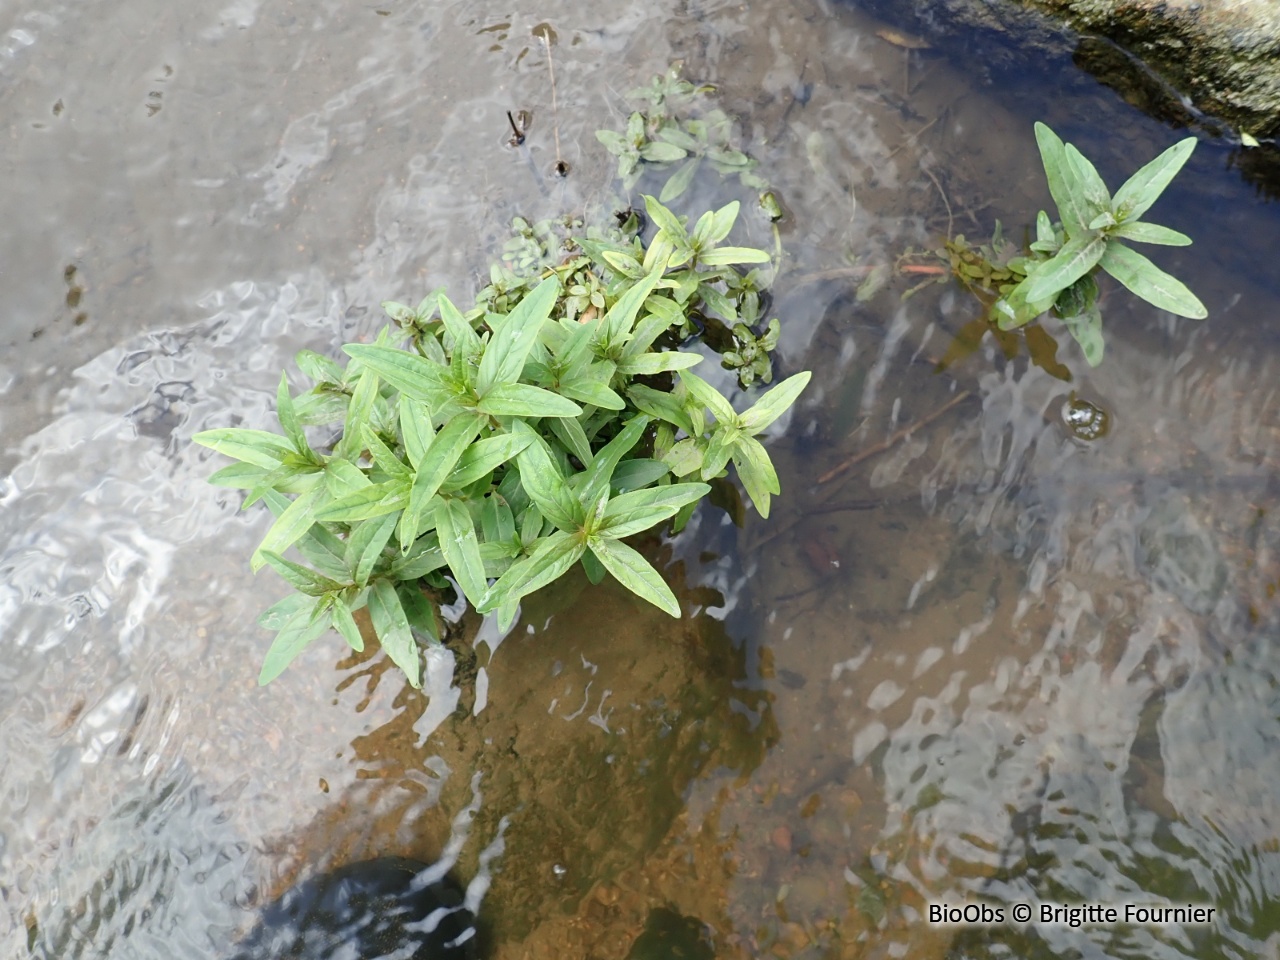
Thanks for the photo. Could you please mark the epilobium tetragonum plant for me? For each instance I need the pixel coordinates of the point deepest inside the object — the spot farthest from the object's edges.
(502, 446)
(1058, 273)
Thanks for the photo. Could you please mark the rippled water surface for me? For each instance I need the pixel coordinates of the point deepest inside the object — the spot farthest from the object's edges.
(977, 654)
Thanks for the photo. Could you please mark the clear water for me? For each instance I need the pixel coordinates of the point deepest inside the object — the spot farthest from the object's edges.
(988, 660)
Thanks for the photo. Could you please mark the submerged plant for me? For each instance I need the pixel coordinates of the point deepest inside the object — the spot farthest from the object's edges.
(501, 446)
(1058, 273)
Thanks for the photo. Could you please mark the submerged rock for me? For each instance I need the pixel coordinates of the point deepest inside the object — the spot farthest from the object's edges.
(375, 909)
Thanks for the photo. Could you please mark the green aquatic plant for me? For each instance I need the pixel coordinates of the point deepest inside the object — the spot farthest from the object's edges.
(551, 421)
(1057, 274)
(670, 130)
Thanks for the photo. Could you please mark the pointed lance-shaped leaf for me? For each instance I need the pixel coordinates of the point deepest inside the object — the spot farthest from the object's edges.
(505, 354)
(1143, 189)
(1152, 284)
(458, 542)
(526, 400)
(298, 631)
(1151, 233)
(392, 627)
(774, 403)
(412, 375)
(1073, 206)
(550, 559)
(1077, 257)
(630, 513)
(634, 572)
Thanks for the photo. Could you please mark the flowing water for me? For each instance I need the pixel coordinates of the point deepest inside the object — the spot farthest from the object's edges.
(992, 659)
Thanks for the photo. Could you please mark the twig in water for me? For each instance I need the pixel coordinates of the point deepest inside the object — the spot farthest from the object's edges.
(883, 445)
(562, 168)
(517, 135)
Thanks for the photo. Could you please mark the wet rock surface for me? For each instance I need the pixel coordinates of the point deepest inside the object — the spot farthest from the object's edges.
(1209, 65)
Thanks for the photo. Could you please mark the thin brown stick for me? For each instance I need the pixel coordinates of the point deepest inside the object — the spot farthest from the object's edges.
(561, 169)
(778, 529)
(885, 444)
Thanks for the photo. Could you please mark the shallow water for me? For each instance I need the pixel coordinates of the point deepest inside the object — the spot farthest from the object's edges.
(986, 661)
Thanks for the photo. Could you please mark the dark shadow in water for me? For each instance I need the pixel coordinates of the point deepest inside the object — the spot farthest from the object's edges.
(384, 908)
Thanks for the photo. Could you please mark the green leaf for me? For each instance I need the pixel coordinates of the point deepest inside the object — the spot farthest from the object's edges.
(418, 610)
(1095, 192)
(1044, 229)
(292, 524)
(679, 181)
(660, 404)
(304, 579)
(1087, 330)
(657, 151)
(318, 368)
(239, 476)
(346, 625)
(685, 457)
(595, 481)
(722, 222)
(458, 541)
(526, 400)
(639, 510)
(1151, 233)
(637, 474)
(279, 613)
(718, 450)
(485, 456)
(650, 363)
(413, 376)
(665, 220)
(723, 255)
(443, 456)
(465, 340)
(653, 325)
(569, 432)
(774, 403)
(594, 392)
(252, 446)
(1151, 283)
(424, 557)
(289, 419)
(594, 568)
(634, 572)
(298, 631)
(1073, 206)
(322, 549)
(757, 472)
(1143, 189)
(392, 627)
(542, 481)
(626, 265)
(415, 428)
(496, 522)
(383, 456)
(1077, 257)
(365, 545)
(618, 321)
(505, 354)
(552, 557)
(359, 411)
(709, 397)
(368, 502)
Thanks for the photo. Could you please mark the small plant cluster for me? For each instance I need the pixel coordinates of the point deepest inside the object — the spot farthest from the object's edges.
(667, 130)
(1057, 273)
(538, 430)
